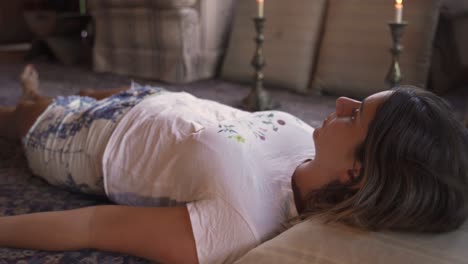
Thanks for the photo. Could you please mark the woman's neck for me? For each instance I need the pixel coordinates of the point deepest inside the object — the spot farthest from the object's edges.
(308, 177)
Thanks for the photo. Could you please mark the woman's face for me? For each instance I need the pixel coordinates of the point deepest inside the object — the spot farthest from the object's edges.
(344, 130)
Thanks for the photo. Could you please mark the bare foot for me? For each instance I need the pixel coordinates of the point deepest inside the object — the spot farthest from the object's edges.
(30, 83)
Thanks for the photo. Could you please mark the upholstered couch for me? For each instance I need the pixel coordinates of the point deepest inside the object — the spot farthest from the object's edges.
(324, 46)
(170, 40)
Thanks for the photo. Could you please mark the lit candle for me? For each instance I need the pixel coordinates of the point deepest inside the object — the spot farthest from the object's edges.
(260, 8)
(399, 11)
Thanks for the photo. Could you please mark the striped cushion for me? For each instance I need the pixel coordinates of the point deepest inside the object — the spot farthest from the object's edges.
(161, 39)
(144, 28)
(148, 43)
(215, 25)
(292, 32)
(354, 57)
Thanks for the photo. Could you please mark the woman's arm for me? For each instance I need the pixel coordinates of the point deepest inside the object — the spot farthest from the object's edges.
(158, 234)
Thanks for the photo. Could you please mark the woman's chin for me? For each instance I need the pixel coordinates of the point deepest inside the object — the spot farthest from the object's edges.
(315, 134)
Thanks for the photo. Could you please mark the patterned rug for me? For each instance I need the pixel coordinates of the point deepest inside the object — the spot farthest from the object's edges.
(21, 193)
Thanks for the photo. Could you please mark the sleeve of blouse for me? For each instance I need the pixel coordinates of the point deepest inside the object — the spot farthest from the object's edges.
(221, 233)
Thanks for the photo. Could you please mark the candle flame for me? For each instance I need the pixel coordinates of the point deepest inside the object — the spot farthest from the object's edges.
(399, 2)
(261, 1)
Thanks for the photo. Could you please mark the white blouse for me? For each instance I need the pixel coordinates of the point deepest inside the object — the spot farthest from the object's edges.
(231, 168)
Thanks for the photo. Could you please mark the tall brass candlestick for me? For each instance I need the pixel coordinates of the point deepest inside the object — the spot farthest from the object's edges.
(394, 76)
(258, 99)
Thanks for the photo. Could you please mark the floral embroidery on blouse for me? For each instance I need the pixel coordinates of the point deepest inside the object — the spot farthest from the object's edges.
(263, 123)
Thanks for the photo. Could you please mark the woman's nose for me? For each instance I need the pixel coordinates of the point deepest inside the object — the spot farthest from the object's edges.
(345, 106)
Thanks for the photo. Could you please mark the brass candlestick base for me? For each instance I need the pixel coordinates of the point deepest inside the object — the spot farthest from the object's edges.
(258, 99)
(394, 76)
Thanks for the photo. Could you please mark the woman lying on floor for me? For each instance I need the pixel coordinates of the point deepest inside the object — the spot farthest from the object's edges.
(198, 181)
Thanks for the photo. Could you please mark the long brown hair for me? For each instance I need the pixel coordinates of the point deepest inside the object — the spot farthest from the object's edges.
(415, 170)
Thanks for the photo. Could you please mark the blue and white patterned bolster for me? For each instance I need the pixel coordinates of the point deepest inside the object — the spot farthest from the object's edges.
(66, 143)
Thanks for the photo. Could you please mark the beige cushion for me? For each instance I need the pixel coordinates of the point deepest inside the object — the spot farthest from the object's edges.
(313, 242)
(292, 31)
(354, 56)
(215, 25)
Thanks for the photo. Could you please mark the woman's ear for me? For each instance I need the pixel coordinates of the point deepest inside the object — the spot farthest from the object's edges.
(351, 175)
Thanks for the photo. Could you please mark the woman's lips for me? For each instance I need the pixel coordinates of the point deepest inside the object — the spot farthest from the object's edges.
(317, 130)
(325, 121)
